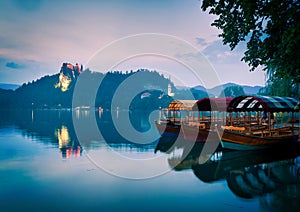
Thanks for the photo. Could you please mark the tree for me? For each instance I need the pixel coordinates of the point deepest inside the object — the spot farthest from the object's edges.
(280, 86)
(270, 28)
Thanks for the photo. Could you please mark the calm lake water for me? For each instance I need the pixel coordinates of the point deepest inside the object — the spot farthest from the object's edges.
(53, 160)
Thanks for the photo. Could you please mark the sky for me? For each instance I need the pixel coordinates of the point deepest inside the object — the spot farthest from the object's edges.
(37, 36)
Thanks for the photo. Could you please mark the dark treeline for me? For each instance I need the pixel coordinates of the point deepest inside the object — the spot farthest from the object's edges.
(143, 89)
(134, 90)
(37, 94)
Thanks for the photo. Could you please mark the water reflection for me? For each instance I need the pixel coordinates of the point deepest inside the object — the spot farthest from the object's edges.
(271, 175)
(67, 146)
(55, 127)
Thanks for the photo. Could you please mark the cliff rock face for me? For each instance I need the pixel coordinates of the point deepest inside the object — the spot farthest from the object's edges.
(68, 73)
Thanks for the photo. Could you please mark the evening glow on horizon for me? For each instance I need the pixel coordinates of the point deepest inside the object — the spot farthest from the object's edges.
(36, 37)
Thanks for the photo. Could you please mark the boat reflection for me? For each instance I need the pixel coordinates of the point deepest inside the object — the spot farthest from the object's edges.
(183, 154)
(227, 164)
(269, 173)
(272, 176)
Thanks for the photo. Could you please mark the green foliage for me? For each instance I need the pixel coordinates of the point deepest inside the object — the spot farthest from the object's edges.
(156, 99)
(6, 98)
(146, 80)
(270, 28)
(42, 94)
(276, 86)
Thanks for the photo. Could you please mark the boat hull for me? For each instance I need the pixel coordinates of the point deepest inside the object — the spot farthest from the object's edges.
(166, 129)
(239, 141)
(193, 133)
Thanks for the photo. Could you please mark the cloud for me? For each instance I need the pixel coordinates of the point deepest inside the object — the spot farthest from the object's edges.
(49, 33)
(14, 65)
(217, 52)
(201, 41)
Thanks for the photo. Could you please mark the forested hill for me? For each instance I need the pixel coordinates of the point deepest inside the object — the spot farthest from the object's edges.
(141, 89)
(56, 91)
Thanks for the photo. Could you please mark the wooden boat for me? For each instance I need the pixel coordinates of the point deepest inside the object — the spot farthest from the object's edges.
(199, 128)
(240, 140)
(170, 121)
(247, 132)
(199, 133)
(168, 128)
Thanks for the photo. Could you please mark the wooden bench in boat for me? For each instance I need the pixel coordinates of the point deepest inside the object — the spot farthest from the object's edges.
(195, 124)
(234, 128)
(274, 132)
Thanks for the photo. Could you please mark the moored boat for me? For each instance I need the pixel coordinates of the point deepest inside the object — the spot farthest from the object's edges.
(168, 128)
(170, 121)
(246, 129)
(206, 113)
(238, 140)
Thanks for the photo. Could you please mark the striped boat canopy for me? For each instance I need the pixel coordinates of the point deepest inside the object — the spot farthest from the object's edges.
(181, 105)
(263, 103)
(212, 104)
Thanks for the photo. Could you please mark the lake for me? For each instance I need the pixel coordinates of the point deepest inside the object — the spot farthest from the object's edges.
(58, 160)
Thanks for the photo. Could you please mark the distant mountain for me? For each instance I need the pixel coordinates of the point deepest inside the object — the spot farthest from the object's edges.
(249, 90)
(199, 88)
(218, 89)
(252, 89)
(9, 86)
(182, 87)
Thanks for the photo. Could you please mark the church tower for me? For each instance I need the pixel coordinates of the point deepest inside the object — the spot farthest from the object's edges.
(170, 88)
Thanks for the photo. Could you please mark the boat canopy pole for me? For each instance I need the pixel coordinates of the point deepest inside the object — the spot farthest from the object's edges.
(193, 118)
(293, 123)
(299, 122)
(173, 112)
(269, 122)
